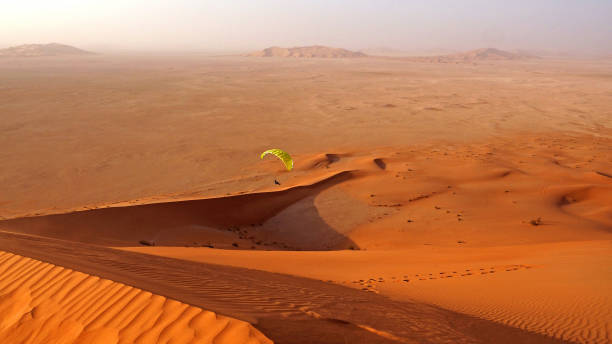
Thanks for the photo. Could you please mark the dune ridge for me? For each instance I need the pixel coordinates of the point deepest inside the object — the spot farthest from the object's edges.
(222, 221)
(347, 200)
(287, 309)
(44, 303)
(387, 201)
(515, 285)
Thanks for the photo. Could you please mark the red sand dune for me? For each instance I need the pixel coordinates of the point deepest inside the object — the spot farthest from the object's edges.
(534, 205)
(43, 303)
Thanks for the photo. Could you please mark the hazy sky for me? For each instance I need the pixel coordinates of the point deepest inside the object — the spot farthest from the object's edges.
(224, 25)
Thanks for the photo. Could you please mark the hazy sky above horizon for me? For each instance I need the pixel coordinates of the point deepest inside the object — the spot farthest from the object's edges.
(237, 25)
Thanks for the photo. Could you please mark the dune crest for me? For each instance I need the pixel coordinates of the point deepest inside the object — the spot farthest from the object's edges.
(44, 303)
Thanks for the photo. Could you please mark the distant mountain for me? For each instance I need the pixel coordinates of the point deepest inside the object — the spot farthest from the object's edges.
(51, 49)
(315, 51)
(489, 54)
(486, 54)
(386, 52)
(391, 52)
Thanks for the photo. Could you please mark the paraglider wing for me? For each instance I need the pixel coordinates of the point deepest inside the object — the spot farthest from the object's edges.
(282, 155)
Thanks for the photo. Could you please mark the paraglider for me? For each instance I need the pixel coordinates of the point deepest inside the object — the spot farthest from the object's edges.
(282, 155)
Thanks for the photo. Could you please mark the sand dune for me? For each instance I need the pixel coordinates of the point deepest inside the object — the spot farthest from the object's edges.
(389, 200)
(527, 295)
(386, 205)
(285, 308)
(44, 303)
(219, 221)
(247, 110)
(513, 285)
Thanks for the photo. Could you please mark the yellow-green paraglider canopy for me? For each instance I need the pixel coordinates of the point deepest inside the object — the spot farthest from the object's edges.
(282, 155)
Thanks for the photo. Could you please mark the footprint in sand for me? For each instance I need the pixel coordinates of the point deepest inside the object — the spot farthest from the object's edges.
(370, 283)
(443, 274)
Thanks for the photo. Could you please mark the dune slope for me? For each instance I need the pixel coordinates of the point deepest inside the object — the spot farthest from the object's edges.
(44, 303)
(514, 285)
(406, 210)
(223, 221)
(285, 308)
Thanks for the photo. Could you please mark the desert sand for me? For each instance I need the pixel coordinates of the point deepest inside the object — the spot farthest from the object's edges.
(43, 303)
(430, 202)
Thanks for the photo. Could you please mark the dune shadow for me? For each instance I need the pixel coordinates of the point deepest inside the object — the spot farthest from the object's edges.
(592, 203)
(380, 163)
(182, 223)
(604, 174)
(301, 227)
(325, 161)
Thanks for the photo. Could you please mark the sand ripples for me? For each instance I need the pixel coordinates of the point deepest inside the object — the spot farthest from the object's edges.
(43, 303)
(285, 308)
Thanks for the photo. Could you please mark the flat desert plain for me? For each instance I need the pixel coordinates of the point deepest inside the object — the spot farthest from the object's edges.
(429, 203)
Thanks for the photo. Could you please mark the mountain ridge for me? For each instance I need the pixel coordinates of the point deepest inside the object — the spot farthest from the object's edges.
(313, 51)
(49, 49)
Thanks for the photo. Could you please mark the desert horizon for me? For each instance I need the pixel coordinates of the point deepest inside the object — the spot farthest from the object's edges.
(55, 49)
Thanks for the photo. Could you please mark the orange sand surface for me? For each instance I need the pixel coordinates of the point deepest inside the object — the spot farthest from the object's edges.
(430, 203)
(44, 303)
(517, 286)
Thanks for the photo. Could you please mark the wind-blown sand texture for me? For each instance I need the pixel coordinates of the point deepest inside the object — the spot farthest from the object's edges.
(429, 203)
(44, 303)
(289, 309)
(497, 283)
